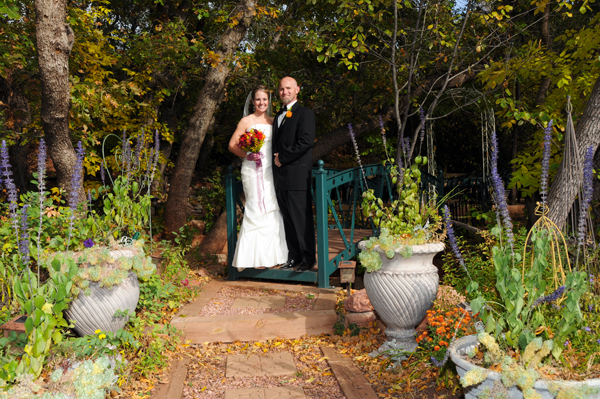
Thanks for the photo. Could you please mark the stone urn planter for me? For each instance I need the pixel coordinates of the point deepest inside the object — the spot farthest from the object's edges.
(493, 383)
(402, 291)
(97, 310)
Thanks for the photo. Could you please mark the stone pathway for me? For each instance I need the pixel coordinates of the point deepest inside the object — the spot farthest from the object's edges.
(266, 393)
(252, 328)
(268, 365)
(261, 302)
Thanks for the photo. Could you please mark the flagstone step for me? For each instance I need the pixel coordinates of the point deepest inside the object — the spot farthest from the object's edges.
(291, 392)
(267, 365)
(256, 327)
(350, 378)
(172, 388)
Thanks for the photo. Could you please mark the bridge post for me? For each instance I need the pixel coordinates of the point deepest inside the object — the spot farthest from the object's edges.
(322, 226)
(230, 208)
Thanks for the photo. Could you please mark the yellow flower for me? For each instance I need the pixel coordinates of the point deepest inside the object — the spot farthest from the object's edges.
(102, 336)
(97, 331)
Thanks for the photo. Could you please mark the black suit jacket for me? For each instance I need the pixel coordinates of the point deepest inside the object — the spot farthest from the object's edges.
(294, 141)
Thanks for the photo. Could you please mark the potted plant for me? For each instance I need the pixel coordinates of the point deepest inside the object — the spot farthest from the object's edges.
(400, 278)
(106, 283)
(105, 289)
(522, 338)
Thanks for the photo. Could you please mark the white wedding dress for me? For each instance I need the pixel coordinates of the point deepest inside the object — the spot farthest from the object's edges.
(261, 242)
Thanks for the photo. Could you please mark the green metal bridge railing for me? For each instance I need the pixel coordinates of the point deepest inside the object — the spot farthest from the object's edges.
(336, 197)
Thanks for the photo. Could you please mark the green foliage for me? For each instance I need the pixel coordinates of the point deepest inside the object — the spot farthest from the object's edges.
(212, 198)
(409, 220)
(100, 344)
(528, 165)
(479, 262)
(521, 312)
(7, 274)
(157, 341)
(126, 210)
(170, 289)
(44, 304)
(97, 264)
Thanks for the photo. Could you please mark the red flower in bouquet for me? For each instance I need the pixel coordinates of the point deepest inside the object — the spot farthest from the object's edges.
(252, 140)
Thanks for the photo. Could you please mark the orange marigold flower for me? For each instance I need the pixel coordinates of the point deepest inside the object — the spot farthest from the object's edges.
(436, 348)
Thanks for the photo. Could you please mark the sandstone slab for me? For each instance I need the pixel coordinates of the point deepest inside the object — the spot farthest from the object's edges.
(358, 302)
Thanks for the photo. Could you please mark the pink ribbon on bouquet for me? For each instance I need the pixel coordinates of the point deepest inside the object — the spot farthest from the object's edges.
(260, 183)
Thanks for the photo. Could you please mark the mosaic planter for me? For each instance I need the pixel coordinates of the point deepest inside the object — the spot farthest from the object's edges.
(493, 383)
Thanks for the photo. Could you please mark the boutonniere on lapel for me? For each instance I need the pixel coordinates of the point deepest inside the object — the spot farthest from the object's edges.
(288, 113)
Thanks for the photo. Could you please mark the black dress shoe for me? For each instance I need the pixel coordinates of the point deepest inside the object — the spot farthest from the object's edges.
(288, 265)
(302, 267)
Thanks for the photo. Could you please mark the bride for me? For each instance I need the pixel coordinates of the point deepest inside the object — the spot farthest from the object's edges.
(261, 241)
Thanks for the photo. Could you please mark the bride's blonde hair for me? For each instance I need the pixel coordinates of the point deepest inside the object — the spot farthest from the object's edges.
(249, 106)
(261, 88)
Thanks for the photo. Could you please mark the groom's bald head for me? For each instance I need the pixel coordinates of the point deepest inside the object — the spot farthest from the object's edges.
(288, 90)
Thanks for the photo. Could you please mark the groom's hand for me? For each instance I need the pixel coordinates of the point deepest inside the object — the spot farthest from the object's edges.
(277, 159)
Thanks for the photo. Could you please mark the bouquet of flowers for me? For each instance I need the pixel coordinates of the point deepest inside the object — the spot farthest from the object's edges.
(252, 140)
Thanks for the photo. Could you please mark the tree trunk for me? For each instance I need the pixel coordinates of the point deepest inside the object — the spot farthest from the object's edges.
(208, 100)
(562, 193)
(55, 40)
(205, 152)
(18, 159)
(545, 37)
(596, 193)
(215, 240)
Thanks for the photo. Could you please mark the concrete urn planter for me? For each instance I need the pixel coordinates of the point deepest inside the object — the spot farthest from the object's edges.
(493, 383)
(402, 291)
(97, 310)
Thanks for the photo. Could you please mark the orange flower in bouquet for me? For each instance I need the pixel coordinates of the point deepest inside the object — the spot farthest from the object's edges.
(252, 140)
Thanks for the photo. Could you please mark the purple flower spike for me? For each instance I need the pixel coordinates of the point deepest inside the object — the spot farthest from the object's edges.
(10, 188)
(545, 163)
(452, 239)
(353, 137)
(436, 362)
(587, 329)
(76, 178)
(422, 117)
(138, 151)
(550, 298)
(102, 173)
(75, 187)
(499, 193)
(24, 244)
(405, 146)
(382, 126)
(41, 188)
(588, 190)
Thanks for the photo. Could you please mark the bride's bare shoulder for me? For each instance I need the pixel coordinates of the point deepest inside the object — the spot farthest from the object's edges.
(246, 122)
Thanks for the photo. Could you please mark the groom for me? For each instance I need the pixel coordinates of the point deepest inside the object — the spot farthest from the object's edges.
(293, 140)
